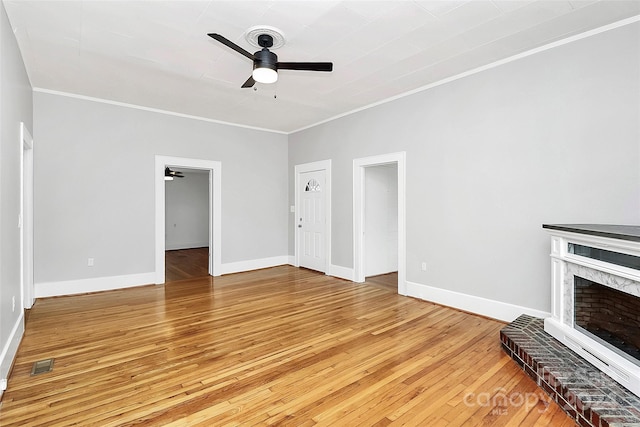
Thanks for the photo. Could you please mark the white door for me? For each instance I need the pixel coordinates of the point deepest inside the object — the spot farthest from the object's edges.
(311, 221)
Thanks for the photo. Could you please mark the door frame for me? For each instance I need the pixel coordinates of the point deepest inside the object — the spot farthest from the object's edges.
(26, 217)
(298, 171)
(215, 210)
(359, 166)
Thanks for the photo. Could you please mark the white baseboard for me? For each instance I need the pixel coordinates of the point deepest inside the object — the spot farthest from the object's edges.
(332, 270)
(96, 284)
(341, 272)
(482, 306)
(478, 305)
(254, 264)
(177, 246)
(10, 349)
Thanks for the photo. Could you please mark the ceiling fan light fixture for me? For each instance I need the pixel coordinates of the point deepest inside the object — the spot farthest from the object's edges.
(265, 66)
(168, 178)
(265, 75)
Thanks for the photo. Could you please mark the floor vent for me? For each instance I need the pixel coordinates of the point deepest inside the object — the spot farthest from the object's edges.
(42, 366)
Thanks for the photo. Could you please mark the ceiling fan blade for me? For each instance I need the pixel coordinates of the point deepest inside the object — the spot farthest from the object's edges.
(231, 44)
(249, 83)
(306, 66)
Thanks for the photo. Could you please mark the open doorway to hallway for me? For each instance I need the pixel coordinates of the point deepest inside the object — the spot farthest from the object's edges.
(213, 170)
(379, 248)
(381, 226)
(187, 227)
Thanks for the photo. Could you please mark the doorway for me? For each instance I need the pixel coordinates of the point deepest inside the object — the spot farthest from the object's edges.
(380, 237)
(313, 215)
(213, 169)
(382, 244)
(380, 219)
(187, 215)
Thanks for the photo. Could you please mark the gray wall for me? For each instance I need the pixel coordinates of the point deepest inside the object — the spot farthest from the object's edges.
(549, 138)
(187, 211)
(94, 186)
(15, 107)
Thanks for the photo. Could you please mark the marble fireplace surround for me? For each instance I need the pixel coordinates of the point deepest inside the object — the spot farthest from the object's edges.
(623, 284)
(565, 266)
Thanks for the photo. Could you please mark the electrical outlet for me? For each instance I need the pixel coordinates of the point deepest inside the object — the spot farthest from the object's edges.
(13, 304)
(90, 262)
(423, 266)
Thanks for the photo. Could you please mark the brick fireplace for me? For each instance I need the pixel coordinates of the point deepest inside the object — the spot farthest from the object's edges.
(596, 296)
(586, 356)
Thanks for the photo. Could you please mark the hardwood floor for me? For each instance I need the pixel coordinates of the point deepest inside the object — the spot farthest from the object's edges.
(282, 346)
(184, 264)
(387, 281)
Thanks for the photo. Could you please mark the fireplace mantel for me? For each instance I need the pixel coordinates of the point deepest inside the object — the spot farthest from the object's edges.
(621, 232)
(607, 255)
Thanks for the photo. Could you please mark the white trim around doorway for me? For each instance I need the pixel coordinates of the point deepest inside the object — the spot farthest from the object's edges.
(215, 210)
(359, 166)
(310, 167)
(26, 217)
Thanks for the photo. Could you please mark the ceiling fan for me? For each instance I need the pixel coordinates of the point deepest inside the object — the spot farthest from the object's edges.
(170, 174)
(265, 62)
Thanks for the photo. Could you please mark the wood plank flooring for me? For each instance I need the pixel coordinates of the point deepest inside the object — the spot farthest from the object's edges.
(184, 264)
(280, 346)
(387, 281)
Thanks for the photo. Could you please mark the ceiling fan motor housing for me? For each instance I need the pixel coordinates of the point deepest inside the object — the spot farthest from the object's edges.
(265, 59)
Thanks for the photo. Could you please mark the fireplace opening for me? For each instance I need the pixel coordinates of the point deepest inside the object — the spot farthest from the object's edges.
(609, 316)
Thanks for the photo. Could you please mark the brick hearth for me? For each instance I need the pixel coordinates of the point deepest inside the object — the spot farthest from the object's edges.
(585, 393)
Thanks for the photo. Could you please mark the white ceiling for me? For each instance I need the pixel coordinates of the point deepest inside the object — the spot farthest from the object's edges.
(156, 54)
